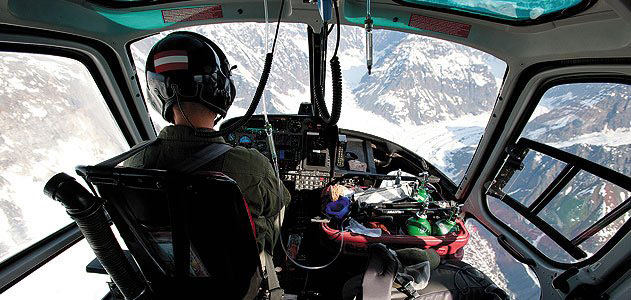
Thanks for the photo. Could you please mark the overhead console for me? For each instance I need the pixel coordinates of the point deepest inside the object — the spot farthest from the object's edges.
(305, 148)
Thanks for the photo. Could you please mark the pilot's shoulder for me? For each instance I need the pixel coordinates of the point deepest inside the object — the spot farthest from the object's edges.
(251, 160)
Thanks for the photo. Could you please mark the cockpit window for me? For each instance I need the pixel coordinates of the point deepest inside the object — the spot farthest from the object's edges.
(53, 117)
(514, 10)
(565, 185)
(431, 96)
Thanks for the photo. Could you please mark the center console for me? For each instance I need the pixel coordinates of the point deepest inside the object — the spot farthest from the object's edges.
(305, 148)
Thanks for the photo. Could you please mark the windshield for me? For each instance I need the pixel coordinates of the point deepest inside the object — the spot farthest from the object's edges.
(431, 96)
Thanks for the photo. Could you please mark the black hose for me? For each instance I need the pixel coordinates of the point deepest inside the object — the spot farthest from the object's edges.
(87, 211)
(336, 107)
(255, 102)
(267, 67)
(336, 77)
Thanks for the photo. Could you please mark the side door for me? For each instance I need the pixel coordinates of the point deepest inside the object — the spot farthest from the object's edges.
(556, 191)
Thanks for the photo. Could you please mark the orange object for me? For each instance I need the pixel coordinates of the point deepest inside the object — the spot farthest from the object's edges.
(379, 225)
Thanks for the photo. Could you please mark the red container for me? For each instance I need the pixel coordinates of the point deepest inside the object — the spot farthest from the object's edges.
(446, 245)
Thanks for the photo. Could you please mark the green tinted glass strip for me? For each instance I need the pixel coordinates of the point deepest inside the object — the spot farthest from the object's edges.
(515, 10)
(144, 20)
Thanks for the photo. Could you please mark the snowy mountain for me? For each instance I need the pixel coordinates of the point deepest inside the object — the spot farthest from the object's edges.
(421, 80)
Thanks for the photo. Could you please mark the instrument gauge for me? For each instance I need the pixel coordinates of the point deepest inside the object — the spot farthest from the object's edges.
(261, 146)
(245, 141)
(231, 138)
(295, 126)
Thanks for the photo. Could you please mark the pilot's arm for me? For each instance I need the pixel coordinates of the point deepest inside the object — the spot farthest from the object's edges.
(275, 200)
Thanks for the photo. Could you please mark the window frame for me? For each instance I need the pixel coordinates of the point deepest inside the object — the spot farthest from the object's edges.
(515, 134)
(574, 164)
(21, 264)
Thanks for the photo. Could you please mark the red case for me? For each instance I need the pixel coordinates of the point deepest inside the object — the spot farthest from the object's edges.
(446, 246)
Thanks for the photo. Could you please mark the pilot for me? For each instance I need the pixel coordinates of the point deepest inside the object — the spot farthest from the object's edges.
(189, 82)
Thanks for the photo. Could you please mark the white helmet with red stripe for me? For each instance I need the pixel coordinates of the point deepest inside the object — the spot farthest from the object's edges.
(188, 67)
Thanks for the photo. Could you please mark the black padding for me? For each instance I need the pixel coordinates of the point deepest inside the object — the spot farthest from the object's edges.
(218, 227)
(413, 256)
(457, 280)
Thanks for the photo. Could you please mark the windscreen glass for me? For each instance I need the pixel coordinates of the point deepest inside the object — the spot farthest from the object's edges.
(431, 96)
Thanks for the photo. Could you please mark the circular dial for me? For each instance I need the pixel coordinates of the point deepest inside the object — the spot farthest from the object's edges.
(245, 141)
(261, 134)
(261, 146)
(231, 138)
(295, 126)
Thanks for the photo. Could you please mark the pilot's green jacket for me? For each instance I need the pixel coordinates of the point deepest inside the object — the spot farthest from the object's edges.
(249, 168)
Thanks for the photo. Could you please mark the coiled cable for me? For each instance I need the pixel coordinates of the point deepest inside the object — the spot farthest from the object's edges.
(336, 85)
(267, 67)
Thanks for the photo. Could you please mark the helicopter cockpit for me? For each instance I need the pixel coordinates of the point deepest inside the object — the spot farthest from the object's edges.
(486, 139)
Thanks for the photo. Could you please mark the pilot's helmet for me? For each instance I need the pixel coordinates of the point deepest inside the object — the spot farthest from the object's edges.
(188, 67)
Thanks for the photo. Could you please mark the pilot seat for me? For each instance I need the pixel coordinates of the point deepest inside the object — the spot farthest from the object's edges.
(191, 235)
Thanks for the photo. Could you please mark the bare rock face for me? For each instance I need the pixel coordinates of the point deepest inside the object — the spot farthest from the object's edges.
(424, 80)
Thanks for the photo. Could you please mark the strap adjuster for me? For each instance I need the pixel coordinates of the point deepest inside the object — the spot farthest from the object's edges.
(407, 288)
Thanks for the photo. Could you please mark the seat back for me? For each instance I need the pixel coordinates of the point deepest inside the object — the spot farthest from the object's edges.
(190, 234)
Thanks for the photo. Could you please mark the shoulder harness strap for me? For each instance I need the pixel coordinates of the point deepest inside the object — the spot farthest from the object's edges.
(203, 157)
(114, 161)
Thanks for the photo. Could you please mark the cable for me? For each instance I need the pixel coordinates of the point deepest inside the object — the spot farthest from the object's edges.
(330, 29)
(266, 27)
(267, 67)
(270, 142)
(280, 14)
(337, 17)
(282, 244)
(269, 131)
(336, 77)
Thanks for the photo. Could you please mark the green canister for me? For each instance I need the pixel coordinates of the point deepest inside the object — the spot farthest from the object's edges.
(444, 226)
(419, 226)
(422, 195)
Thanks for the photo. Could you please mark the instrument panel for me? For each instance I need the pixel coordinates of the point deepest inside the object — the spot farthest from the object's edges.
(304, 147)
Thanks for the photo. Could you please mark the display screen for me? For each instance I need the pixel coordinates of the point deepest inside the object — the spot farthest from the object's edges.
(317, 159)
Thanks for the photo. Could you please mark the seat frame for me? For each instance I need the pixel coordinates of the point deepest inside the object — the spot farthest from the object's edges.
(190, 208)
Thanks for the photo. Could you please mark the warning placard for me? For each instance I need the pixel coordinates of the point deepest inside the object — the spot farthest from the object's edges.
(192, 14)
(440, 25)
